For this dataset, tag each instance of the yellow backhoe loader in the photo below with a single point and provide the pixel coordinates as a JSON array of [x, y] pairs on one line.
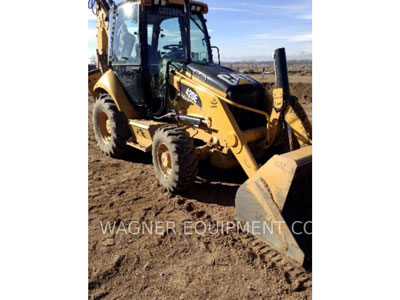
[[159, 89]]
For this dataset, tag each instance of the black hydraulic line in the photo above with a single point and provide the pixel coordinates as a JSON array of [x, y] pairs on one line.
[[104, 4], [190, 120], [196, 121], [90, 4]]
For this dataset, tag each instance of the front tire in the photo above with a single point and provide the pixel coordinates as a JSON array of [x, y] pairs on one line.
[[174, 158], [110, 127]]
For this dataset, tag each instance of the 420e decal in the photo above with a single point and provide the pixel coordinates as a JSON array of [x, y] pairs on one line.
[[190, 95]]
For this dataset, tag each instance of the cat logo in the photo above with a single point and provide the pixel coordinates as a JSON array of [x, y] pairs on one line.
[[236, 79]]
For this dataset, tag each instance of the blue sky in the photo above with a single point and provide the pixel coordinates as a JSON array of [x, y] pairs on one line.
[[252, 29]]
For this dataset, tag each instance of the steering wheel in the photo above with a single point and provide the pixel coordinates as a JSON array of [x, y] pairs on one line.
[[173, 47]]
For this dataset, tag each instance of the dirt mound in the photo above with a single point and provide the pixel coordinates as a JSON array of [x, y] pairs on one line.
[[219, 264], [303, 91]]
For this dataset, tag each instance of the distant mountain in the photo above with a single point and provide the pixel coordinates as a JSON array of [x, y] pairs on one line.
[[291, 62], [306, 56]]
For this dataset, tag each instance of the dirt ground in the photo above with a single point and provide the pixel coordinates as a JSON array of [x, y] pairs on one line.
[[223, 265], [293, 78]]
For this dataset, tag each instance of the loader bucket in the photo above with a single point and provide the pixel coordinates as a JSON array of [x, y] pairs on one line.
[[275, 204]]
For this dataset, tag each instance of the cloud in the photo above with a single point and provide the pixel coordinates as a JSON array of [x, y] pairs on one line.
[[236, 10], [91, 35], [300, 38], [305, 17], [296, 11], [227, 9], [307, 37], [264, 36], [91, 16], [279, 7]]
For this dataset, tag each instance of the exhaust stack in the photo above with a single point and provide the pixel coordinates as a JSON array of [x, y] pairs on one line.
[[281, 73]]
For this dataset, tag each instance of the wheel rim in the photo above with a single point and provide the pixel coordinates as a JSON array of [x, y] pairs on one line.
[[164, 160], [105, 127]]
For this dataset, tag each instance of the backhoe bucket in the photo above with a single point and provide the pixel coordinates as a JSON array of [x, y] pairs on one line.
[[275, 204]]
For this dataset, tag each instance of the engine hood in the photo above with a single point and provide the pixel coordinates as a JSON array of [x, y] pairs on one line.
[[220, 77]]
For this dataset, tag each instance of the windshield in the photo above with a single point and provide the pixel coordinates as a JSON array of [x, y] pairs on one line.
[[166, 36]]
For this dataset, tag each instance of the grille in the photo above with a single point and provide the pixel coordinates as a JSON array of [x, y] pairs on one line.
[[252, 96]]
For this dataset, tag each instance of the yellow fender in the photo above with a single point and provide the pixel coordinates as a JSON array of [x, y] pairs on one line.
[[110, 84]]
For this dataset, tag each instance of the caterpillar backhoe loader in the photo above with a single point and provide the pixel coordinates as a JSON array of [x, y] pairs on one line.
[[158, 89]]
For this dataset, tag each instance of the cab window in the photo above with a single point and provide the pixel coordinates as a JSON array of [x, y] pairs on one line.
[[126, 46], [198, 40]]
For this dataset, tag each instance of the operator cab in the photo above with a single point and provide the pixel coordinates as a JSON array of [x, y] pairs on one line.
[[147, 39]]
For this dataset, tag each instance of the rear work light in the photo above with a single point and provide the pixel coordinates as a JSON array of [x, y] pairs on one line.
[[159, 2], [197, 8]]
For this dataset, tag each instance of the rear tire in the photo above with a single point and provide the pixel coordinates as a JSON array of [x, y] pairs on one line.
[[174, 158], [110, 127]]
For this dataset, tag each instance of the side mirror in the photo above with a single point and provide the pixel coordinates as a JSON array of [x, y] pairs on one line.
[[219, 56]]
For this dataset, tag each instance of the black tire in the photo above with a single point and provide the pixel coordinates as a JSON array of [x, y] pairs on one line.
[[110, 127], [183, 168]]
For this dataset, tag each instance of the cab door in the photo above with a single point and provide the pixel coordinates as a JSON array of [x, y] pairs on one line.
[[125, 51]]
